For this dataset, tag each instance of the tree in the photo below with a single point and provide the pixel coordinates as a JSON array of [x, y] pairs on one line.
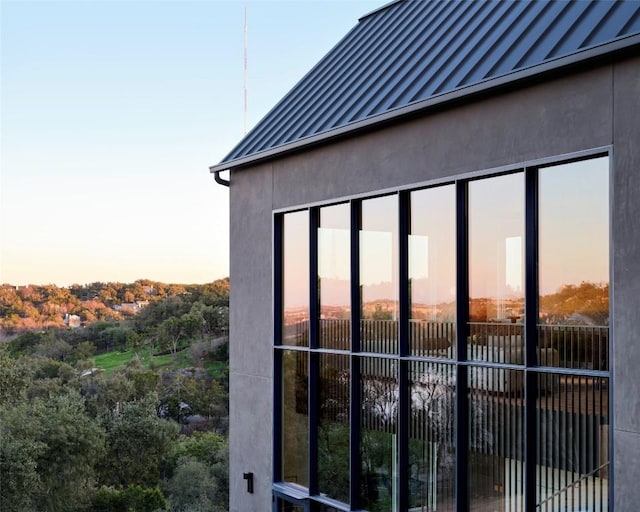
[[48, 452], [193, 488], [133, 498], [136, 442]]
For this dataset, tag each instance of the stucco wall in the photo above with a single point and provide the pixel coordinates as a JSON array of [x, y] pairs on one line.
[[561, 116], [626, 285]]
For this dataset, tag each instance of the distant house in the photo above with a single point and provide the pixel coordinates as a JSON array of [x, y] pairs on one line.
[[131, 307], [401, 222], [72, 321]]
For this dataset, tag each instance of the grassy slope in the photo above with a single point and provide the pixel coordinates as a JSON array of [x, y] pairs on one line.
[[111, 361]]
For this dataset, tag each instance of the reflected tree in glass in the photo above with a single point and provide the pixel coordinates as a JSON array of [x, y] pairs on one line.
[[431, 436], [379, 396], [574, 265], [295, 417], [333, 426]]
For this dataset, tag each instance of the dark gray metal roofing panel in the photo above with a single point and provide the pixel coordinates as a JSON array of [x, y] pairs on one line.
[[413, 51]]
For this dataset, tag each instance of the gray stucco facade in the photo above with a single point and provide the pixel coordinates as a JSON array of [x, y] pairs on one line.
[[569, 113]]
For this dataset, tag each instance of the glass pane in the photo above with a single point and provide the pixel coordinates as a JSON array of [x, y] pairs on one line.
[[296, 279], [573, 443], [496, 269], [334, 268], [295, 417], [496, 433], [285, 506], [333, 426], [379, 275], [432, 444], [328, 508], [378, 436], [574, 265], [432, 272]]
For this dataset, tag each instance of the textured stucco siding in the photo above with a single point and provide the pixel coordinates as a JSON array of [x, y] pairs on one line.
[[590, 109]]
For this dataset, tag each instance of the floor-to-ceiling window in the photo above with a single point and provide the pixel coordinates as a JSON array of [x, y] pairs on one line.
[[447, 348]]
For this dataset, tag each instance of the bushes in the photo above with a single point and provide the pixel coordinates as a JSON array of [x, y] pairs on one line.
[[133, 498]]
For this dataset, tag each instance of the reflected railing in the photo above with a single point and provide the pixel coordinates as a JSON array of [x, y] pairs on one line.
[[578, 346], [564, 346]]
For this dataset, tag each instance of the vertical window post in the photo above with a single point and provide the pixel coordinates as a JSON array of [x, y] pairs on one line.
[[462, 315], [403, 346], [354, 413], [531, 336], [314, 315], [277, 333]]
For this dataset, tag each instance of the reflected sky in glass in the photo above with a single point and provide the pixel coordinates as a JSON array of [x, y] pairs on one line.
[[379, 254], [496, 247], [432, 247], [574, 224]]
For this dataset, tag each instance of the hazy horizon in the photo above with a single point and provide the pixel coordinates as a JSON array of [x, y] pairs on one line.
[[112, 113]]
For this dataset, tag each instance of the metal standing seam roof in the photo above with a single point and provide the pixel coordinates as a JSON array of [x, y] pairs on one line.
[[411, 54]]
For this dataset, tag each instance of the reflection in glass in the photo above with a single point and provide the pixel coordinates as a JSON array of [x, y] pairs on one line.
[[574, 265], [333, 426], [496, 269], [328, 508], [334, 269], [572, 470], [431, 436], [285, 506], [379, 396], [379, 274], [496, 434], [432, 272], [295, 270], [295, 417]]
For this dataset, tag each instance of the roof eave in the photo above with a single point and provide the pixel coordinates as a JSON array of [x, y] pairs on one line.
[[588, 54]]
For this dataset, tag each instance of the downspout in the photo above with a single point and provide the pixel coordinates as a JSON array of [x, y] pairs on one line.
[[219, 180]]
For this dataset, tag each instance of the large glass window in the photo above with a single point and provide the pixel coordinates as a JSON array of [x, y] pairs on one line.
[[450, 351], [496, 269], [432, 272], [431, 449], [295, 256], [333, 411], [379, 275], [334, 276], [379, 396], [295, 419], [574, 265]]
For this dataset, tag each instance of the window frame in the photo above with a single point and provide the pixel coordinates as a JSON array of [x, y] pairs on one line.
[[530, 368]]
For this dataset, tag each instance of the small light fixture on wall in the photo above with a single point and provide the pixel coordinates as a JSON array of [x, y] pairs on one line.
[[249, 478]]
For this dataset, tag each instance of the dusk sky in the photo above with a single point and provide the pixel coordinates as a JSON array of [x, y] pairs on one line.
[[111, 114]]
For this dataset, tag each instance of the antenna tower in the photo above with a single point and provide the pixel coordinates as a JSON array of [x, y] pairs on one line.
[[245, 69]]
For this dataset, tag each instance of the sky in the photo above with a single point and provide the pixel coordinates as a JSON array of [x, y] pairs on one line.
[[111, 113]]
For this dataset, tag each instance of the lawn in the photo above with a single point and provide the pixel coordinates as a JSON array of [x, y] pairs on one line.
[[111, 361]]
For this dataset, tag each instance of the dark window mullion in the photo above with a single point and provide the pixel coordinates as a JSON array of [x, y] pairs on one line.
[[462, 317], [278, 278], [356, 222], [531, 337], [354, 402], [313, 402], [277, 333], [403, 255], [314, 316], [277, 416], [314, 291], [403, 336]]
